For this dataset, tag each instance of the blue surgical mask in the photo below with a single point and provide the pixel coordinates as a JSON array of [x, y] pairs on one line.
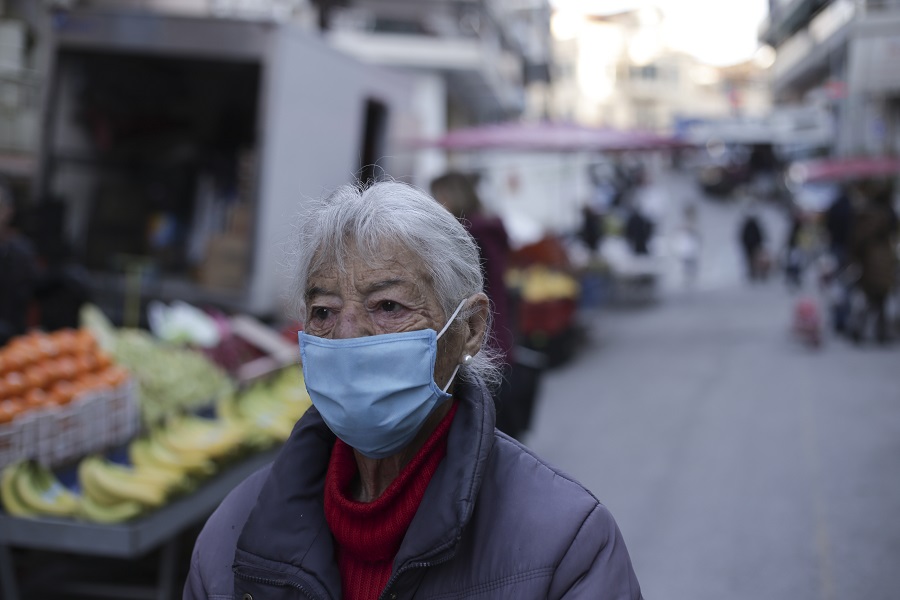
[[375, 392]]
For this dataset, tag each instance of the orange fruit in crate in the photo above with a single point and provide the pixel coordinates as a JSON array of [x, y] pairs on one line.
[[66, 368], [85, 363], [62, 393], [113, 376], [35, 376], [82, 386], [36, 398], [89, 381], [28, 352], [102, 359], [65, 340], [46, 347], [15, 359], [15, 383], [10, 409], [84, 341]]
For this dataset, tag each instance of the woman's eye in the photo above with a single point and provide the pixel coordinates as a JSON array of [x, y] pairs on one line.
[[390, 306], [319, 313]]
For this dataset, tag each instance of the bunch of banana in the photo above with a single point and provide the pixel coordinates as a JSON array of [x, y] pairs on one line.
[[12, 503], [145, 452], [253, 439], [121, 511], [290, 389], [270, 409], [109, 485], [197, 439], [31, 489]]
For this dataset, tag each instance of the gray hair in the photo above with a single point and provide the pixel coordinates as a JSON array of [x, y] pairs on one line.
[[360, 217]]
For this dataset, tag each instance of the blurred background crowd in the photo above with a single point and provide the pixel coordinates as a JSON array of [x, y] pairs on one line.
[[677, 202]]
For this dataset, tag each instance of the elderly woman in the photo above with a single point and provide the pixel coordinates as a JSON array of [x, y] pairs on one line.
[[396, 483]]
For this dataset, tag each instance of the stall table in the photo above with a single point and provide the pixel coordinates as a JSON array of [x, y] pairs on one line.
[[130, 540]]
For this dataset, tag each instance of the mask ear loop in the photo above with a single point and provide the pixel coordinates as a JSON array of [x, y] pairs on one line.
[[447, 326], [452, 318], [450, 381]]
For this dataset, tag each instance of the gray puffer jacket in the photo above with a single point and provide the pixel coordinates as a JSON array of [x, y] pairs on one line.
[[495, 522]]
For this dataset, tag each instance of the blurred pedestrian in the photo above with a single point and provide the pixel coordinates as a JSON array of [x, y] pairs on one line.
[[872, 246], [839, 224], [18, 271], [591, 230], [638, 230], [794, 252], [456, 192], [752, 239], [688, 244]]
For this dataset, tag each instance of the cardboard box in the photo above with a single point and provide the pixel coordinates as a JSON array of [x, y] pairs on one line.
[[226, 263]]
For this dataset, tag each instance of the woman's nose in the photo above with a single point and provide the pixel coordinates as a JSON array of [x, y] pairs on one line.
[[352, 322]]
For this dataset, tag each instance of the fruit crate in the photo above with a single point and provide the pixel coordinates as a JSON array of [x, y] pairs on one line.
[[57, 435]]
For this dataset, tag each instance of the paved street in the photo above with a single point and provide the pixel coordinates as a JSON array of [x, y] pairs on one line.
[[739, 463]]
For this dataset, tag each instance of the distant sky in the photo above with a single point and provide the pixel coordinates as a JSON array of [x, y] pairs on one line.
[[719, 32]]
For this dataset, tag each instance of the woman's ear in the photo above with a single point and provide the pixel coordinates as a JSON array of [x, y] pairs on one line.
[[478, 309]]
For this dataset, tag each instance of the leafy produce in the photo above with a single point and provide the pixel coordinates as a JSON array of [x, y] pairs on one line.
[[170, 379]]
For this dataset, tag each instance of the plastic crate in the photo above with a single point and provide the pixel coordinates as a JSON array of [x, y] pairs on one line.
[[11, 445], [57, 435]]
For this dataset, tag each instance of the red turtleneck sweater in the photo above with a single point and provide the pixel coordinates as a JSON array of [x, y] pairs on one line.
[[368, 535]]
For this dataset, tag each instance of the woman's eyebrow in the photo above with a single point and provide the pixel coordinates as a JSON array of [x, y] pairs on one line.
[[317, 291], [387, 284], [384, 284]]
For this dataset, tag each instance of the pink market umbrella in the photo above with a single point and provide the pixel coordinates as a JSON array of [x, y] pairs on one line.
[[845, 169], [549, 137]]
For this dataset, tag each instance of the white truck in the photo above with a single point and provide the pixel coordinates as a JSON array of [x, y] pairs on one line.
[[176, 151]]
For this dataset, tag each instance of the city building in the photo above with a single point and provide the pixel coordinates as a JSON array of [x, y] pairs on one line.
[[616, 70], [841, 54], [471, 61]]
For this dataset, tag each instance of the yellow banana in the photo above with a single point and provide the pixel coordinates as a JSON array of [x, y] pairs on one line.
[[41, 491], [142, 459], [198, 466], [116, 513], [12, 503], [191, 437], [104, 479]]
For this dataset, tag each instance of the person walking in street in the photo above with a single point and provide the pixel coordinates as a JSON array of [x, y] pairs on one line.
[[638, 230], [752, 239], [395, 483], [456, 192], [872, 246], [688, 244], [794, 252], [839, 225]]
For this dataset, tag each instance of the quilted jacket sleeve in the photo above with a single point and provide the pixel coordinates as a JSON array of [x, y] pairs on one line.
[[210, 576], [597, 564], [193, 587]]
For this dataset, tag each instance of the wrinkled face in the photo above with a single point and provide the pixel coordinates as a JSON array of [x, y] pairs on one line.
[[390, 292]]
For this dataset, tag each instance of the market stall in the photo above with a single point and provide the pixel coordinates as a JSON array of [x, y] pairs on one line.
[[113, 441]]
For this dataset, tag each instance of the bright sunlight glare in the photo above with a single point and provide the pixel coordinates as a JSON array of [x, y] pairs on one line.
[[717, 32]]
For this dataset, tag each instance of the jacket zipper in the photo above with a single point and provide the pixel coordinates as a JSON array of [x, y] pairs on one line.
[[409, 567], [278, 582]]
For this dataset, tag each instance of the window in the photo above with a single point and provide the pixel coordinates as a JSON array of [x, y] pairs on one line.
[[645, 72]]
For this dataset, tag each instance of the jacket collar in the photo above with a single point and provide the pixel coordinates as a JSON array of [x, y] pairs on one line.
[[287, 528]]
